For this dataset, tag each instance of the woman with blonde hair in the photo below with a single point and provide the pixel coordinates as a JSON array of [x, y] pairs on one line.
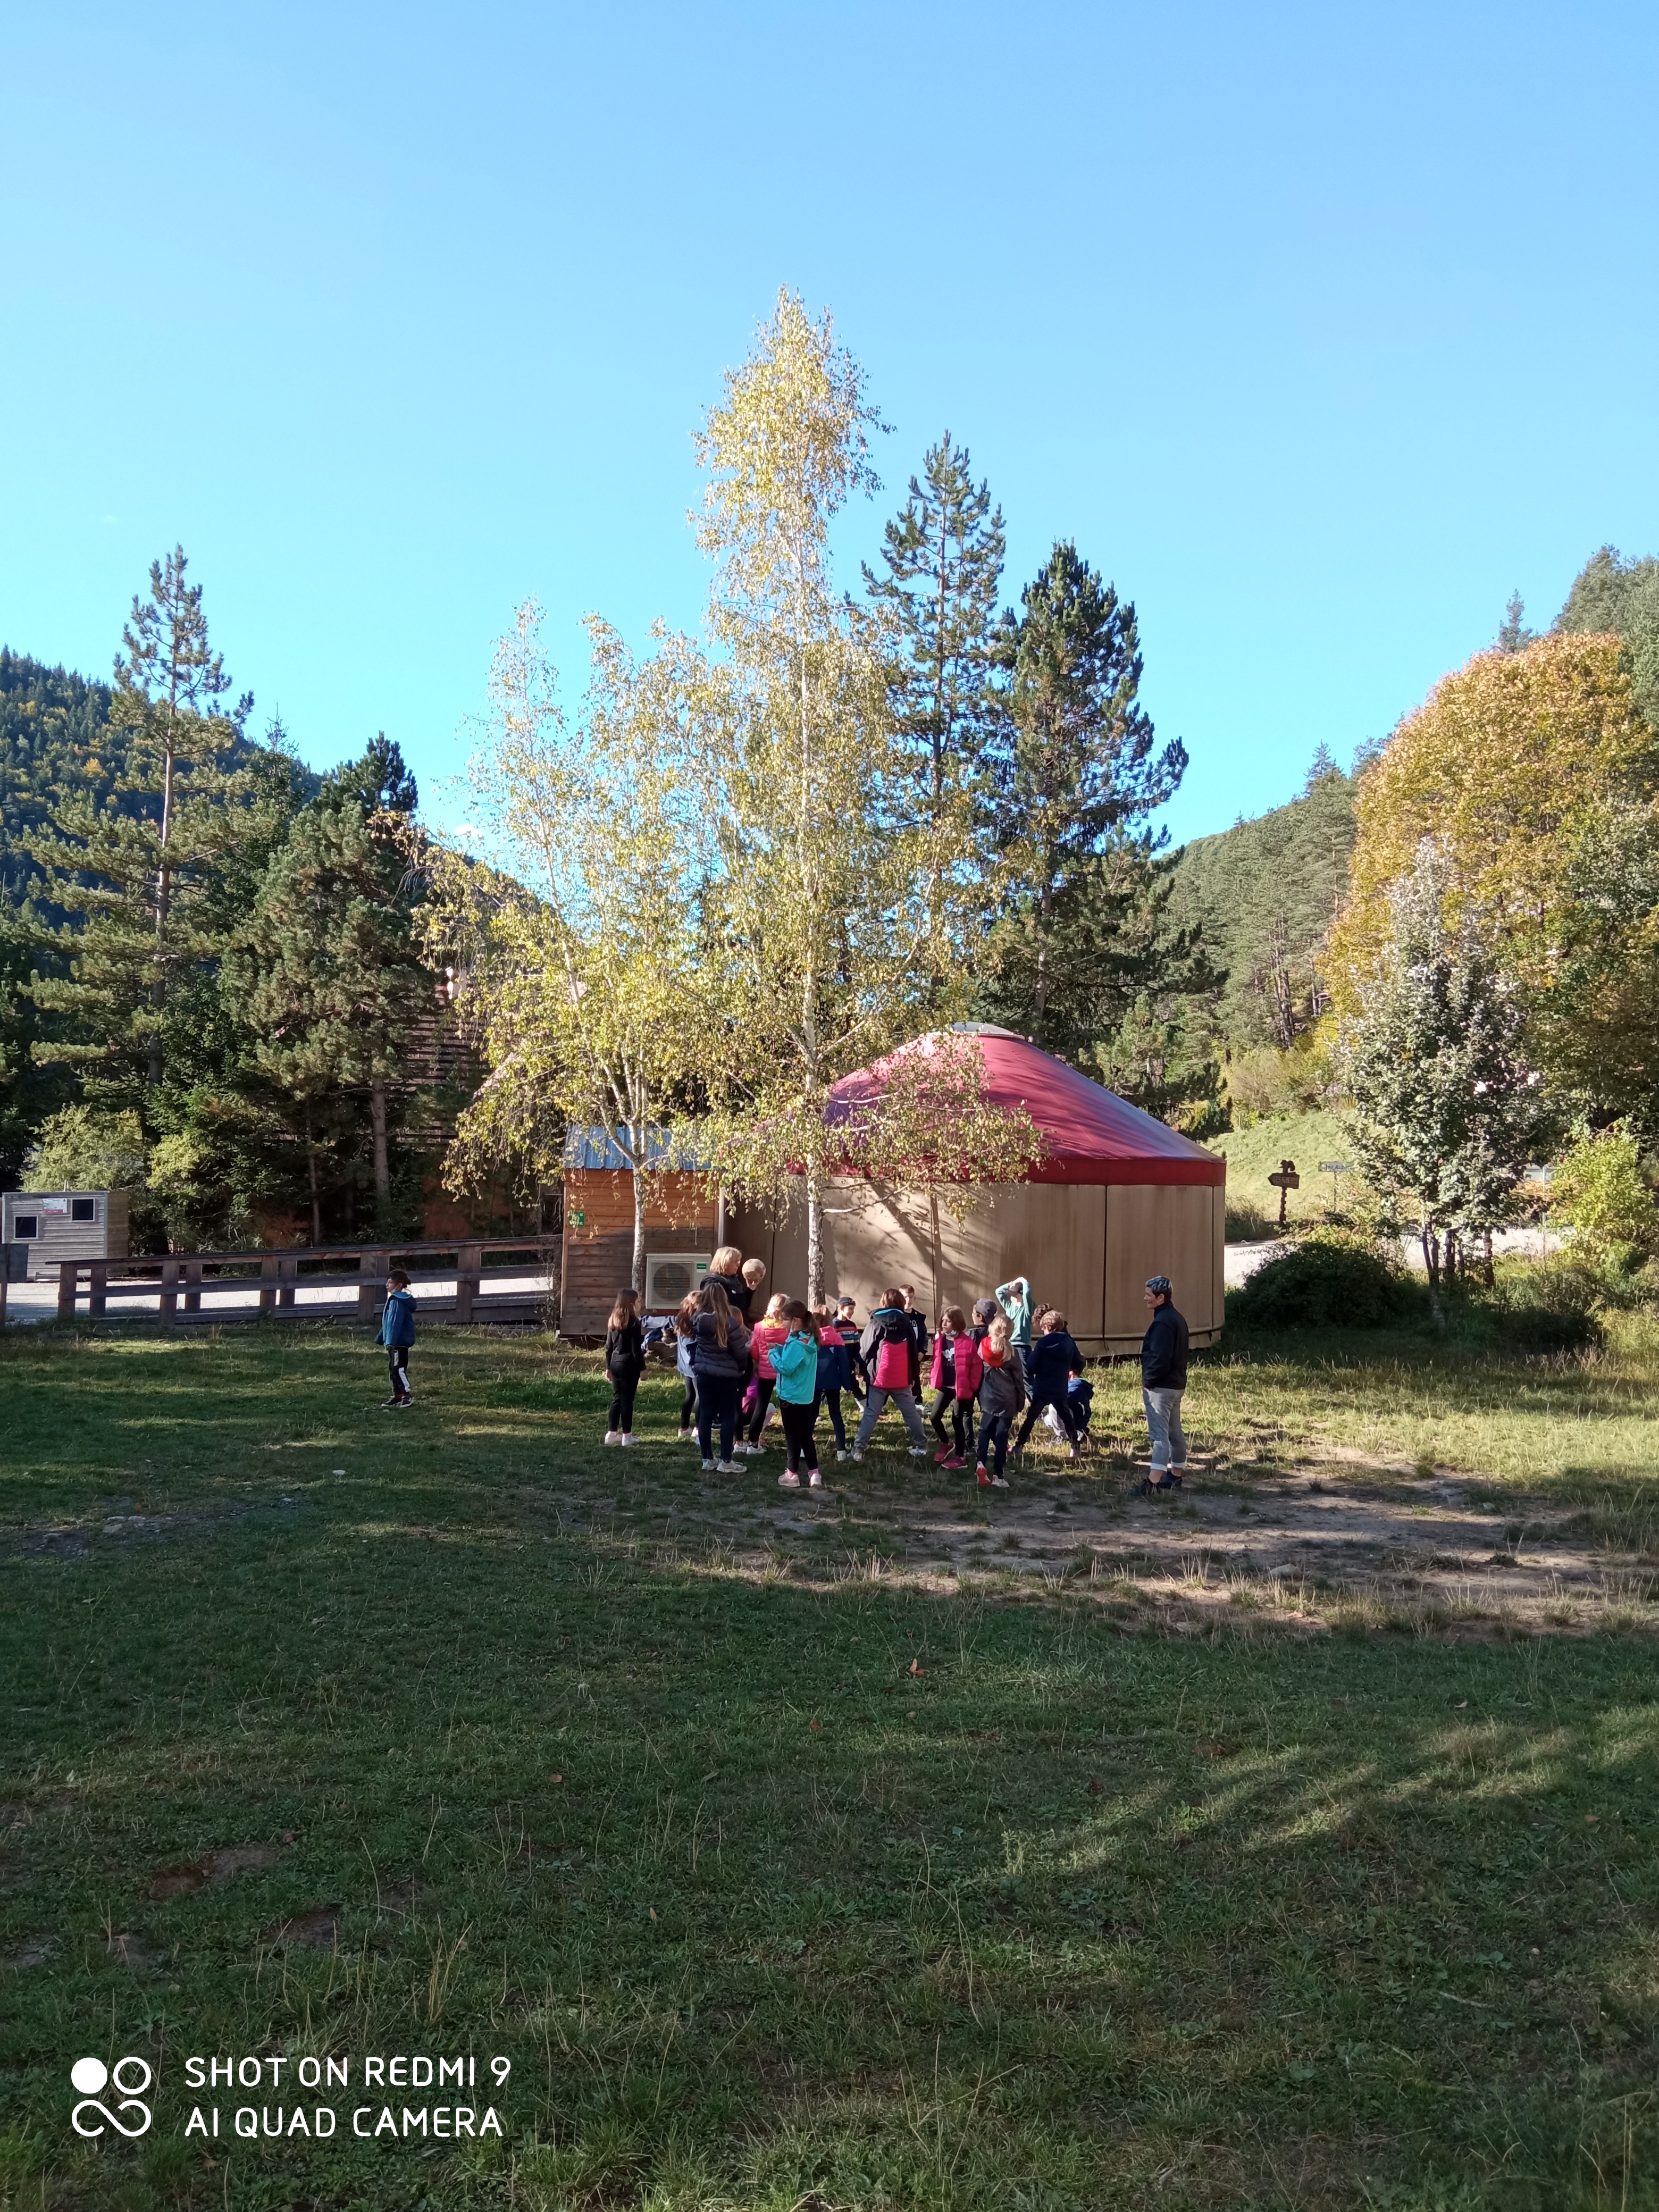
[[725, 1268]]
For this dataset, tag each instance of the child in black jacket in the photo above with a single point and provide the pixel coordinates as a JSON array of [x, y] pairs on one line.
[[624, 1362]]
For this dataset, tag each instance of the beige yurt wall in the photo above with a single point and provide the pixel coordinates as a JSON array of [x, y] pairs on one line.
[[1087, 1247], [1177, 1230]]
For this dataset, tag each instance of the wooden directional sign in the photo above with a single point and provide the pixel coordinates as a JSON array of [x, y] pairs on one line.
[[1287, 1179]]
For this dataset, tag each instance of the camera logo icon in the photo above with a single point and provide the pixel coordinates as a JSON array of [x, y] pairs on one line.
[[131, 2076]]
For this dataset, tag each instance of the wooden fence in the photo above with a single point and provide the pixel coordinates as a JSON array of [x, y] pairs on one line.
[[214, 1285]]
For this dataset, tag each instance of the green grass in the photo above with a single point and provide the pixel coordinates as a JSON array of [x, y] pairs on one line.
[[779, 1885]]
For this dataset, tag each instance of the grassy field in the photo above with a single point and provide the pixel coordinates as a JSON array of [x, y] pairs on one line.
[[778, 1880]]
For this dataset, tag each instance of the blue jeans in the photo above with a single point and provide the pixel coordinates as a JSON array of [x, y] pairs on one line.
[[908, 1410], [1163, 1421]]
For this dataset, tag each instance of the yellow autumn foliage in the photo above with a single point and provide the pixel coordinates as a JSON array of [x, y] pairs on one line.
[[1510, 761]]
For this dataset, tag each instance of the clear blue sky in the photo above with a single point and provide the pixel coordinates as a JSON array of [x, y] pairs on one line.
[[1321, 329]]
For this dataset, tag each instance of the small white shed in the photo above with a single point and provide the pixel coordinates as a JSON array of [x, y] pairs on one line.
[[64, 1224]]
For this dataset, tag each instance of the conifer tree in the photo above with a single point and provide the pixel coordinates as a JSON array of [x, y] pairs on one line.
[[1076, 778], [944, 557], [137, 866], [323, 973]]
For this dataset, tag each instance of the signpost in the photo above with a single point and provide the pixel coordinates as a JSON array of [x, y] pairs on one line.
[[1334, 1169], [1287, 1179]]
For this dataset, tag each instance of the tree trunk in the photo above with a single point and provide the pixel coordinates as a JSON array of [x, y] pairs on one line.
[[382, 1166], [814, 1241], [310, 1168], [1431, 1243], [637, 1277]]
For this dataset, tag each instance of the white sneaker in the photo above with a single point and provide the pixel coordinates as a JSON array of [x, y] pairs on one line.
[[841, 1455], [626, 1437], [918, 1451], [728, 1466], [857, 1459], [815, 1481], [612, 1437], [684, 1436], [756, 1450], [788, 1481]]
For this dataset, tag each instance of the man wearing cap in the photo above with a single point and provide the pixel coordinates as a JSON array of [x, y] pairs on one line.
[[1162, 1379]]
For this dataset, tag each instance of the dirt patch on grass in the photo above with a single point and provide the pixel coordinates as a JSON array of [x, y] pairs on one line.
[[1334, 1540]]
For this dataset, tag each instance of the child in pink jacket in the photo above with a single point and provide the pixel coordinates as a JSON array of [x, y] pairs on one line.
[[764, 1334]]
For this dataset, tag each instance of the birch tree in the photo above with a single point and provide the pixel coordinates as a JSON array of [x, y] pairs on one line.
[[577, 933], [830, 944]]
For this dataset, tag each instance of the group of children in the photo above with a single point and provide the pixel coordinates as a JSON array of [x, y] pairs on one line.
[[983, 1373]]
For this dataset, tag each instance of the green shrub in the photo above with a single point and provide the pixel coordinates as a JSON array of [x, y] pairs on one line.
[[1551, 1305], [1329, 1278]]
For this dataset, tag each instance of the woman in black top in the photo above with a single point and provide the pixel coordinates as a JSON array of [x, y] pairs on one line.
[[624, 1362], [725, 1268]]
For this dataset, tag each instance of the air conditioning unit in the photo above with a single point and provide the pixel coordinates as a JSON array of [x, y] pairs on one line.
[[669, 1276]]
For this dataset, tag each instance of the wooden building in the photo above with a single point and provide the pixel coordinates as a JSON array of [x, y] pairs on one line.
[[597, 1258], [64, 1224]]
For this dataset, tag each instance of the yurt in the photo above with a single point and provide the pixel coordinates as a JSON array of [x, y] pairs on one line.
[[1117, 1197]]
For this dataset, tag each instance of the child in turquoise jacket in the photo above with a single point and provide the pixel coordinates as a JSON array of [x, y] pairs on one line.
[[795, 1364]]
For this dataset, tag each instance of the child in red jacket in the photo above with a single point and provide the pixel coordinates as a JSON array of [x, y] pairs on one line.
[[953, 1338]]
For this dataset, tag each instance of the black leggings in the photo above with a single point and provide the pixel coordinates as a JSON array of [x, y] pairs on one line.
[[764, 1386], [688, 1404], [1061, 1405], [624, 1382], [959, 1427], [799, 1440], [994, 1430], [397, 1361], [717, 1403], [832, 1400]]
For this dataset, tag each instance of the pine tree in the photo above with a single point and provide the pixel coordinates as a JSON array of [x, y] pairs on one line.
[[944, 557], [1076, 777], [137, 866], [323, 973], [1513, 635]]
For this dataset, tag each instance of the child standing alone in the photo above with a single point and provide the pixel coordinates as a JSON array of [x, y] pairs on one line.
[[398, 1335], [624, 1362]]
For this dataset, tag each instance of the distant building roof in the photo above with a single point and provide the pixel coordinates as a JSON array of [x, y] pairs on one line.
[[593, 1146]]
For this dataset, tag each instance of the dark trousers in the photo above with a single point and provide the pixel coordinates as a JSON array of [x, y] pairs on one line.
[[764, 1386], [959, 1428], [624, 1382], [1062, 1405], [832, 1400], [397, 1361], [717, 1407], [994, 1431], [799, 1440], [688, 1404]]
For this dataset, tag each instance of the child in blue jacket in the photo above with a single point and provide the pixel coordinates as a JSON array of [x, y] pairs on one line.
[[834, 1372], [795, 1365], [397, 1334]]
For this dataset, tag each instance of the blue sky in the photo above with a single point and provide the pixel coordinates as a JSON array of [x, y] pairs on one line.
[[1320, 328]]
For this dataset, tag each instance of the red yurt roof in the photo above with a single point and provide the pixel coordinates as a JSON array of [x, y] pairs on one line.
[[1093, 1136]]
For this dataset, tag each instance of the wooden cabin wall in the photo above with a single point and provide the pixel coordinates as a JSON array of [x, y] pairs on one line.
[[599, 1249]]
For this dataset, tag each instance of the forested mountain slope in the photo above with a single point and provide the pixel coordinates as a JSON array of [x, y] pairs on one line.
[[1265, 892]]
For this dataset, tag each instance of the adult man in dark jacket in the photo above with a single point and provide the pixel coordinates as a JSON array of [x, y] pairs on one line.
[[1162, 1379]]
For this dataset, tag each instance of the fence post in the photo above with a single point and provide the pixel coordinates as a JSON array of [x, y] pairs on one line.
[[372, 1267], [469, 1264], [97, 1277], [288, 1273], [267, 1284], [69, 1282], [167, 1306], [192, 1275]]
